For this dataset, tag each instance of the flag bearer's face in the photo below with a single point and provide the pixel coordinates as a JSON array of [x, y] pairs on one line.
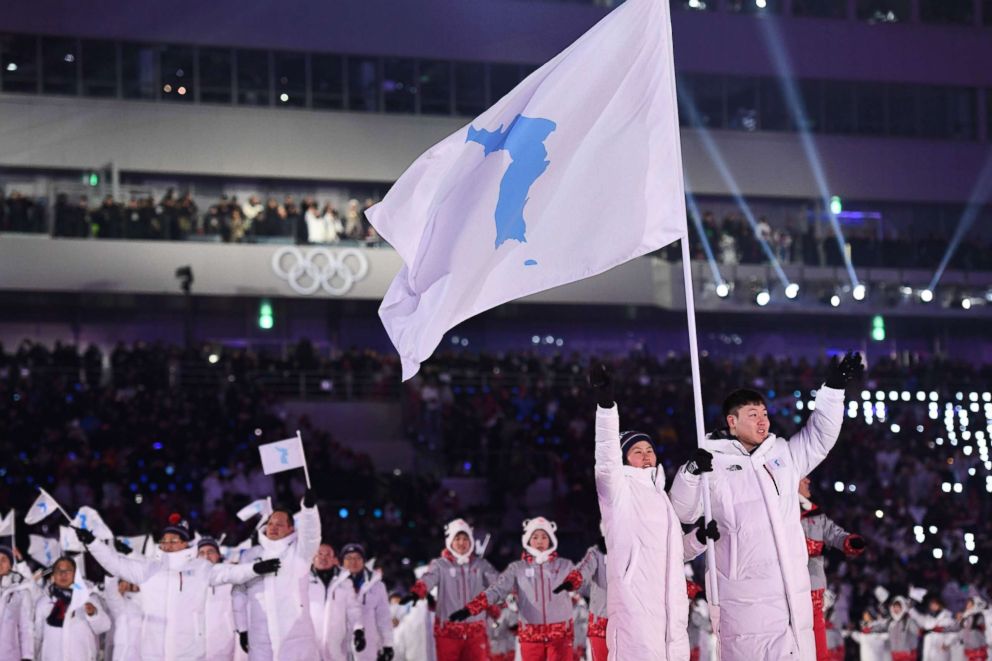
[[641, 455], [461, 543], [279, 526], [750, 424], [171, 542], [63, 574], [540, 541], [4, 565]]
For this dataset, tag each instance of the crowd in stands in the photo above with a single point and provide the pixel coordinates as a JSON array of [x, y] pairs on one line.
[[177, 217], [127, 433]]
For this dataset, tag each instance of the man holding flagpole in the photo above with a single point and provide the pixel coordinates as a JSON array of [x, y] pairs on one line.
[[765, 607]]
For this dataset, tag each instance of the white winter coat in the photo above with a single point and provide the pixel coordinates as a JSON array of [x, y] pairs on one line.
[[328, 612], [938, 645], [647, 604], [414, 635], [16, 624], [275, 609], [173, 598], [222, 639], [761, 557], [125, 611], [371, 605], [78, 637]]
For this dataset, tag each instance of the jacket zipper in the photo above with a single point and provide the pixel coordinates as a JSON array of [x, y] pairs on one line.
[[765, 466], [544, 601]]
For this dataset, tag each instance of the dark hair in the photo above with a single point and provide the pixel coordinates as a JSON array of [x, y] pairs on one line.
[[284, 510], [64, 558], [739, 398]]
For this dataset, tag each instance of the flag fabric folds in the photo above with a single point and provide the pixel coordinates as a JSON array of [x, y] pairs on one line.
[[575, 171], [88, 518], [283, 455], [43, 506], [45, 551], [7, 524], [261, 507]]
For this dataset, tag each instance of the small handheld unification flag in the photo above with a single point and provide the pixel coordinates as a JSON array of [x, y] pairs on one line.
[[45, 551], [284, 455], [43, 506], [576, 170], [7, 525], [136, 543], [261, 507], [80, 594], [68, 540], [88, 518]]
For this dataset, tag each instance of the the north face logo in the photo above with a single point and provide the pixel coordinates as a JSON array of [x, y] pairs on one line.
[[733, 467]]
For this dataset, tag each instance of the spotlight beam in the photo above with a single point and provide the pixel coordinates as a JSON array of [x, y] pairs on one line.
[[979, 195], [780, 59], [697, 221], [689, 106]]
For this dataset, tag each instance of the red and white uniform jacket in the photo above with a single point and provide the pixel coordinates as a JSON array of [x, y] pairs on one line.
[[821, 532], [544, 616], [591, 572], [457, 584]]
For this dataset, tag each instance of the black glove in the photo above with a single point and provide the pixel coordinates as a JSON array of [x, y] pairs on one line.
[[701, 462], [309, 498], [243, 641], [709, 531], [409, 599], [847, 370], [84, 535], [857, 542], [267, 566], [385, 654], [460, 615], [359, 638], [431, 601], [120, 546], [601, 382], [565, 586]]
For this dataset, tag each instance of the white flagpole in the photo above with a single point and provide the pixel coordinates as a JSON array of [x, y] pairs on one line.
[[690, 308], [306, 471], [13, 531]]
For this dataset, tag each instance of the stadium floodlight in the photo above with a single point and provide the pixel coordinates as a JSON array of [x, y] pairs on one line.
[[762, 298], [966, 303], [723, 290], [926, 295], [859, 292], [835, 301], [791, 290]]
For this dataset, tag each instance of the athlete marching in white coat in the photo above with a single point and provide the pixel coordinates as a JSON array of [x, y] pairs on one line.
[[16, 607], [647, 604], [272, 614], [172, 590], [67, 631], [764, 586]]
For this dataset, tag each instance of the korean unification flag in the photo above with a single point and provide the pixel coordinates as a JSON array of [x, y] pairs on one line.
[[80, 594], [45, 551], [43, 506], [575, 171], [283, 455], [88, 518], [261, 507], [7, 524], [68, 540]]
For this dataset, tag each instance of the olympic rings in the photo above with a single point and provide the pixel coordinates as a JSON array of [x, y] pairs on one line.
[[336, 272]]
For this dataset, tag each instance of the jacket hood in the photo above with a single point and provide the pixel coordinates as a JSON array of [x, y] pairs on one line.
[[450, 532], [904, 602], [721, 442], [533, 525], [276, 547]]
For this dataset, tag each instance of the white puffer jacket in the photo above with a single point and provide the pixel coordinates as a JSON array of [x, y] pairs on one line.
[[16, 625], [78, 639], [275, 609], [647, 603], [173, 597], [761, 557]]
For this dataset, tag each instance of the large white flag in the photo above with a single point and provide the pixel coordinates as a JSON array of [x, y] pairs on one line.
[[80, 594], [7, 524], [44, 505], [283, 455], [45, 551], [88, 518], [575, 171], [68, 540]]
